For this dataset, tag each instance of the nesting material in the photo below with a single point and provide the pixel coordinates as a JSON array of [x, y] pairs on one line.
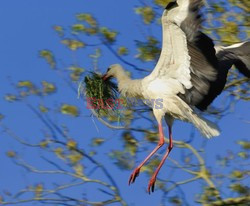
[[101, 96]]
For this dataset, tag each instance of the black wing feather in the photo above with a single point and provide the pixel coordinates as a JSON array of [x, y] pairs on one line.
[[207, 79]]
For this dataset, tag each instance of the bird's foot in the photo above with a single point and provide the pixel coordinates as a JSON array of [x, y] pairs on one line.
[[133, 176], [151, 185]]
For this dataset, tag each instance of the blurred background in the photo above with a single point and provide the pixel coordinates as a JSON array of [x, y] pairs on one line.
[[54, 151]]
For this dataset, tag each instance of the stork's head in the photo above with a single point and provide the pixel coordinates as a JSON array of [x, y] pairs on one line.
[[112, 71]]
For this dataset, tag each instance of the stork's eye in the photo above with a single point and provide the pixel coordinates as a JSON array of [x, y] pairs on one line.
[[108, 70], [171, 5]]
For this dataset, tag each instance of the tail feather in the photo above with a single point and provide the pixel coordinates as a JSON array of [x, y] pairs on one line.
[[206, 127], [184, 112]]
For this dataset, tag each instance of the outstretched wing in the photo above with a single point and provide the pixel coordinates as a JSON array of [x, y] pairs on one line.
[[189, 62], [187, 56], [204, 70], [236, 54]]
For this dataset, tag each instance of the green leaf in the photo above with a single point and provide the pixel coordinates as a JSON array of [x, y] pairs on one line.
[[130, 143], [243, 155], [59, 153], [237, 174], [87, 18], [151, 136], [78, 169], [76, 69], [49, 57], [26, 84], [38, 190], [11, 98], [44, 143], [147, 13], [150, 167], [74, 157], [91, 27], [71, 144], [244, 144], [70, 110], [218, 8], [97, 141], [148, 51], [123, 160], [11, 154], [108, 34], [48, 88], [76, 28], [73, 44], [122, 51], [241, 189], [175, 201], [1, 116], [43, 109], [59, 30], [76, 72], [162, 3]]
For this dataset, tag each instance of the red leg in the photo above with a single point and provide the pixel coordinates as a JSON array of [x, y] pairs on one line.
[[136, 172], [151, 184]]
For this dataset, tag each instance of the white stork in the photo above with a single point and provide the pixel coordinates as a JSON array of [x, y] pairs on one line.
[[190, 74]]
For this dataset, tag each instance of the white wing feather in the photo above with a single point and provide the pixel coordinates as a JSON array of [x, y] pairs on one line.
[[174, 61]]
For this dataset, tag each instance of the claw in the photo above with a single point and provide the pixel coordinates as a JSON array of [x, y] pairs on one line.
[[133, 176], [151, 185]]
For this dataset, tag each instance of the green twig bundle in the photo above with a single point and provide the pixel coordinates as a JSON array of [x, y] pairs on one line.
[[102, 96]]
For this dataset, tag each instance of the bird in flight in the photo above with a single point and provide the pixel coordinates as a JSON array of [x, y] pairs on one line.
[[190, 73]]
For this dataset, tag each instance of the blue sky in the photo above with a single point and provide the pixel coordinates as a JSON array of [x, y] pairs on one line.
[[26, 29]]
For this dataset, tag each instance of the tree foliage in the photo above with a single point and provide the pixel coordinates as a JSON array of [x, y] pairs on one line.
[[222, 184]]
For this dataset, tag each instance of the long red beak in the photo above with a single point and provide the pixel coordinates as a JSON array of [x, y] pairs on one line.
[[105, 77]]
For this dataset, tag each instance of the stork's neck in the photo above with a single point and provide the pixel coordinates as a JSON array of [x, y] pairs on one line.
[[127, 86]]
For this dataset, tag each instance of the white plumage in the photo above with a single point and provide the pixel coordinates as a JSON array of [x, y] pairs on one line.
[[188, 74]]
